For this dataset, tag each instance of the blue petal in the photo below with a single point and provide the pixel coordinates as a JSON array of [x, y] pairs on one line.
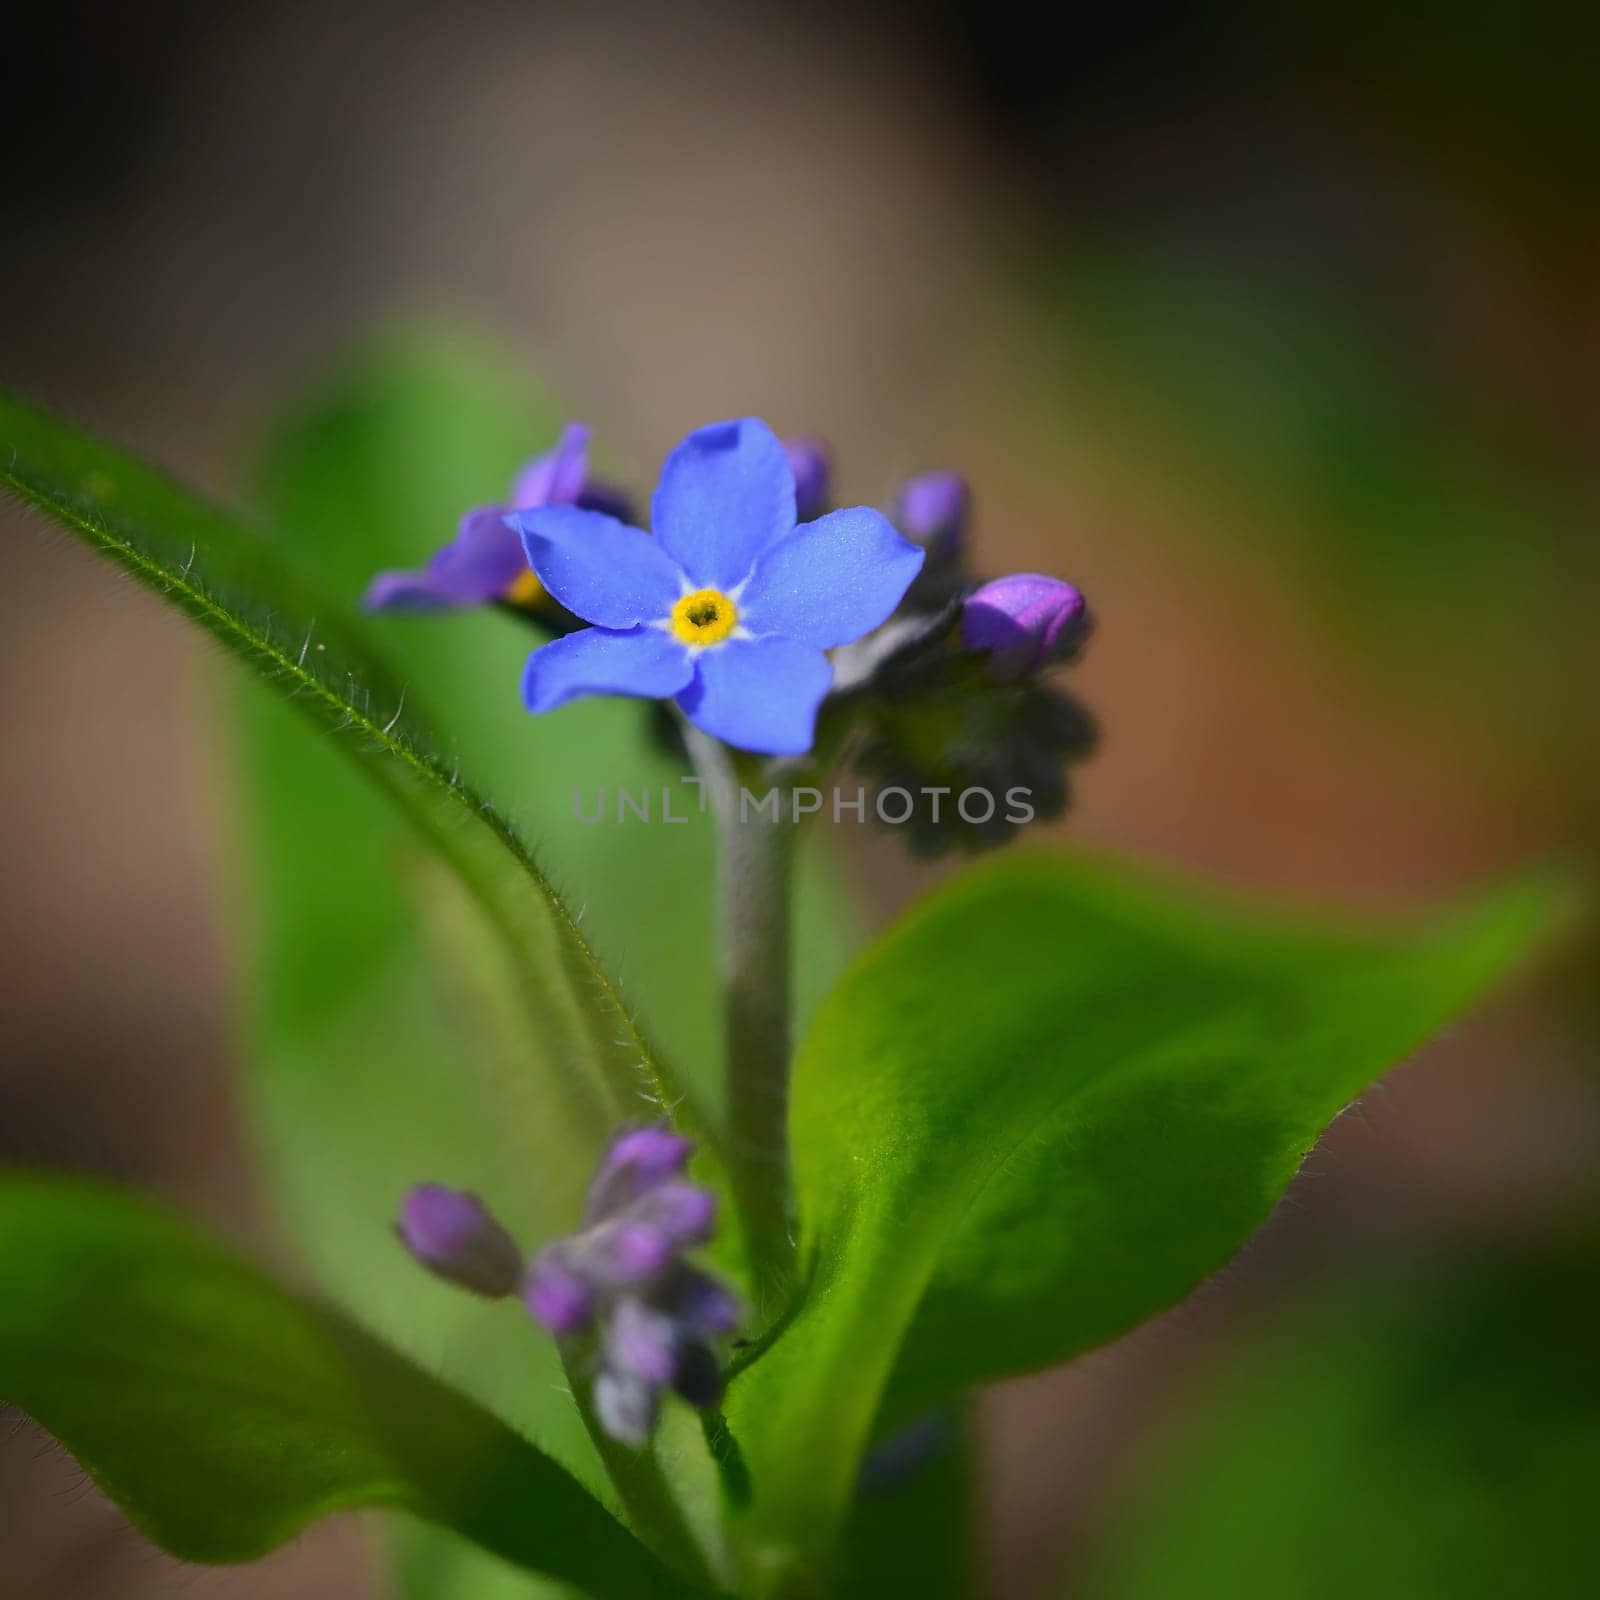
[[641, 661], [726, 493], [405, 591], [831, 580], [598, 568], [758, 694], [483, 560], [557, 477]]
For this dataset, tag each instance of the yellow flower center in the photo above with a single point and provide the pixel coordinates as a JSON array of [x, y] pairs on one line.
[[707, 616], [527, 591]]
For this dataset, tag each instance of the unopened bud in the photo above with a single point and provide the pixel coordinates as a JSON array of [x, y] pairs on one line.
[[453, 1235], [557, 1294], [931, 510], [1024, 623], [808, 460]]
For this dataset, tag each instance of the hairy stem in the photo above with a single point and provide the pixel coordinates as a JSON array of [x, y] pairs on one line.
[[651, 1507], [754, 872], [754, 879]]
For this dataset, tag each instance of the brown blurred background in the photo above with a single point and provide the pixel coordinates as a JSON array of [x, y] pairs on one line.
[[1280, 337]]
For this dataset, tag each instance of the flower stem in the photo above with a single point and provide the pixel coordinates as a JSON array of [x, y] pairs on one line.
[[650, 1505], [754, 873]]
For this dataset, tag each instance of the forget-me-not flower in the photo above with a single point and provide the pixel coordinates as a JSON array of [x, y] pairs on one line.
[[485, 561], [729, 607]]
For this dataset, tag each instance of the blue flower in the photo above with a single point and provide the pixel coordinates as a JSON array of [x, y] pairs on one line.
[[729, 607], [485, 563]]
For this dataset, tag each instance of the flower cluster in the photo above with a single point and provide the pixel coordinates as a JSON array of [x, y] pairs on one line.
[[760, 614], [953, 692], [619, 1288]]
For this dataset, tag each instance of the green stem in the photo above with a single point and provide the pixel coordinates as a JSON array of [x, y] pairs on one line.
[[754, 872], [754, 886], [652, 1508]]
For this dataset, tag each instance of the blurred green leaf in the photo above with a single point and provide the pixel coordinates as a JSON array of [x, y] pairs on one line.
[[1040, 1109], [1268, 388], [223, 1414], [1435, 1438], [1424, 524]]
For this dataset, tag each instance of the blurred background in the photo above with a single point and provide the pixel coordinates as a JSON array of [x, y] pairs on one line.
[[1278, 334]]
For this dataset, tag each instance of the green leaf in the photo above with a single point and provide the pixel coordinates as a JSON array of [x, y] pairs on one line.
[[1426, 1438], [1039, 1110], [910, 1529], [233, 584], [223, 1414]]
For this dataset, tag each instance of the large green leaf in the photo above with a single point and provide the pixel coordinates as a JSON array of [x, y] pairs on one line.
[[1039, 1110], [1435, 1437], [910, 1529], [223, 1414]]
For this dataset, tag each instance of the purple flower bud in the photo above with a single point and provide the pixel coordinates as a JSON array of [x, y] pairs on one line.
[[637, 1160], [452, 1234], [931, 510], [684, 1212], [624, 1255], [642, 1341], [623, 1276], [627, 1405], [808, 460], [557, 1294], [1024, 623], [649, 1154]]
